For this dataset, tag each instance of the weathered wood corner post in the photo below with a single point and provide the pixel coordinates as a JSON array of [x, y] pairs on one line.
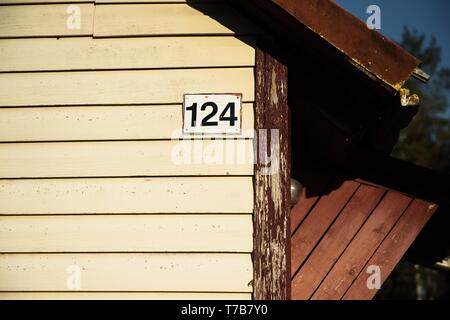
[[271, 255]]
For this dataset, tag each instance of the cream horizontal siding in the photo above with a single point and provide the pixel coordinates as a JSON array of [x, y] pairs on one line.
[[203, 272], [46, 1], [153, 1], [103, 123], [85, 53], [127, 195], [124, 296], [87, 176], [126, 158], [101, 1], [121, 87], [121, 233], [44, 20], [168, 19]]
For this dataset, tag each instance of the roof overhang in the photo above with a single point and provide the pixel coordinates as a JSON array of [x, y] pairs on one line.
[[368, 50]]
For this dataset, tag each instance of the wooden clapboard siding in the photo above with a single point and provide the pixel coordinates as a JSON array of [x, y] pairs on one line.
[[168, 19], [85, 53], [124, 296], [43, 20], [103, 123], [130, 195], [121, 87], [129, 158], [203, 272], [102, 1], [138, 225], [317, 222], [42, 1], [122, 233], [393, 247], [335, 241], [369, 237], [153, 1]]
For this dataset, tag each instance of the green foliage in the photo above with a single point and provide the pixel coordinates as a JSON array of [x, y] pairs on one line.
[[413, 282], [426, 141]]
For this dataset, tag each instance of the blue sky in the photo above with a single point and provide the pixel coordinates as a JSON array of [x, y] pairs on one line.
[[431, 17]]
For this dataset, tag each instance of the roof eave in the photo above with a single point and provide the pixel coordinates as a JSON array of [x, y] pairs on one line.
[[371, 52]]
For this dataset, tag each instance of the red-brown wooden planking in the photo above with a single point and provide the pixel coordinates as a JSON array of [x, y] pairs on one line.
[[362, 246], [317, 222], [393, 247], [301, 209], [327, 252]]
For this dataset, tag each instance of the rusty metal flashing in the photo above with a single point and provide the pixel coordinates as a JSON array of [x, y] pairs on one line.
[[370, 51]]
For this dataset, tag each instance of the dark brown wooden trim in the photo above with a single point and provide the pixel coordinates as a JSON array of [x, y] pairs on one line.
[[271, 254]]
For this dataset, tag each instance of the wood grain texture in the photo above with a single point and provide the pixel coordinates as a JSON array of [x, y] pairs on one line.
[[103, 123], [394, 246], [272, 181], [126, 158], [221, 272], [121, 87], [150, 1], [127, 233], [44, 20], [300, 209], [127, 195], [124, 296], [51, 54], [168, 19], [335, 241], [317, 222], [367, 240]]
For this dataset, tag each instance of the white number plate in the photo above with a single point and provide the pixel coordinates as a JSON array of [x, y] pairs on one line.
[[212, 113]]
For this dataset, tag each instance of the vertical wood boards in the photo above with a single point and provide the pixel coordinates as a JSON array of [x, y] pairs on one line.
[[272, 191]]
